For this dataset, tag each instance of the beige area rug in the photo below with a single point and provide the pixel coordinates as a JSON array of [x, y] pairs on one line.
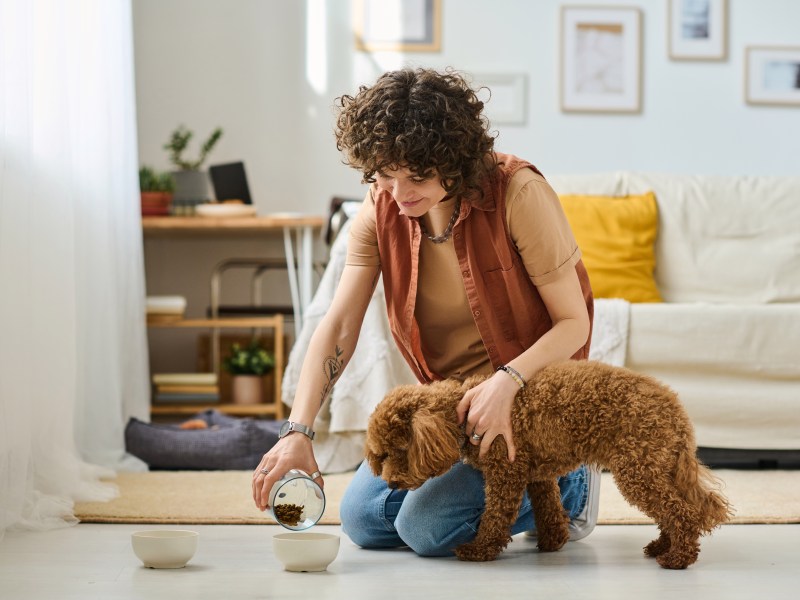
[[223, 497]]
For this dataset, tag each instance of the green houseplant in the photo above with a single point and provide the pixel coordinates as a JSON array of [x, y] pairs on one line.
[[178, 142], [249, 360], [248, 365], [191, 181], [156, 190]]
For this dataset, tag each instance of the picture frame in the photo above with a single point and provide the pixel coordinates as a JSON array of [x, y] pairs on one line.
[[601, 59], [772, 75], [698, 29], [506, 97], [397, 25]]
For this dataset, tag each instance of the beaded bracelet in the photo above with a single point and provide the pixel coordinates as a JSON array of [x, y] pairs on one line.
[[514, 375]]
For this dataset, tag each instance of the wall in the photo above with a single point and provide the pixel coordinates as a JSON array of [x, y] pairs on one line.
[[243, 65]]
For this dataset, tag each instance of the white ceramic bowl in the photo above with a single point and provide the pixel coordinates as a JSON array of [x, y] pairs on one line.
[[164, 548], [305, 551]]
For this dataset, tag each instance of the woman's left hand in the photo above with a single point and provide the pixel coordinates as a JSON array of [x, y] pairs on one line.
[[487, 409]]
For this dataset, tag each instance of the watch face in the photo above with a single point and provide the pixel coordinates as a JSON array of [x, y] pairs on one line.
[[285, 428]]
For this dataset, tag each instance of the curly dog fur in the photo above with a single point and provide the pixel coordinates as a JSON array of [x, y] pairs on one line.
[[571, 413]]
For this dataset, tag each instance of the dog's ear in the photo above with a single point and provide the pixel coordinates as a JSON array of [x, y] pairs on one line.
[[374, 455], [433, 447]]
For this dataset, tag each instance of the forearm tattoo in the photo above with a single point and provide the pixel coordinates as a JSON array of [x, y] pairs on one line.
[[331, 366]]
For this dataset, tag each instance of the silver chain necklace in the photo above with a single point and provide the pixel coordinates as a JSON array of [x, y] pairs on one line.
[[440, 239]]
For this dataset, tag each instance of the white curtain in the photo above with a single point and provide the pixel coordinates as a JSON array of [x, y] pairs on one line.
[[73, 354]]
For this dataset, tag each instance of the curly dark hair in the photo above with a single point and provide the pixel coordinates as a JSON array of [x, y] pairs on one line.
[[427, 121]]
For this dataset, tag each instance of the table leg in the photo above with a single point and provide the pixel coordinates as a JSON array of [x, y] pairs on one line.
[[293, 280], [305, 258], [300, 273]]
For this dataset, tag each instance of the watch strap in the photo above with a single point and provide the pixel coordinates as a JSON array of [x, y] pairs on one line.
[[300, 428]]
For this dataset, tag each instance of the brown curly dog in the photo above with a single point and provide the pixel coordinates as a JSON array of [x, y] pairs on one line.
[[571, 413]]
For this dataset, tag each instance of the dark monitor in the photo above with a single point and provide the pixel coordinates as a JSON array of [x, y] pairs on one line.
[[230, 182]]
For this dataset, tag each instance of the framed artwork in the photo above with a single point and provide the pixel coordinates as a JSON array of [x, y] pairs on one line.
[[698, 29], [772, 75], [504, 98], [601, 59], [399, 25]]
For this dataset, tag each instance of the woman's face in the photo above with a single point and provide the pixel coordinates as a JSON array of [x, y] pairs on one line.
[[415, 196]]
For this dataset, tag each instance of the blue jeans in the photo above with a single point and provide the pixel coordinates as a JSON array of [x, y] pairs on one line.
[[437, 517]]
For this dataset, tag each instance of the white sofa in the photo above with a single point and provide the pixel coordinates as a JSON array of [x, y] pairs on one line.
[[727, 336]]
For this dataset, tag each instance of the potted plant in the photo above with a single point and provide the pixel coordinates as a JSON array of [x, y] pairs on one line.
[[248, 365], [156, 190], [191, 182]]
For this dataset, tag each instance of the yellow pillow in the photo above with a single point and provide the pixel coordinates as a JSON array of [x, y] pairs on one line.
[[616, 237]]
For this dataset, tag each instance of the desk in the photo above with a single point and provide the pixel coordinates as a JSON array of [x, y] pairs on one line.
[[298, 243]]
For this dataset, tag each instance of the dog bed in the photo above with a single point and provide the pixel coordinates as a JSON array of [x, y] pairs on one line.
[[227, 443]]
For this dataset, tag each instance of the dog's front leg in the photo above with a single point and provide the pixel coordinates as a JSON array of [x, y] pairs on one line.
[[504, 489], [552, 522]]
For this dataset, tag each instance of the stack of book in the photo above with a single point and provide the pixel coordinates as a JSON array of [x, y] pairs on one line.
[[172, 388], [165, 309]]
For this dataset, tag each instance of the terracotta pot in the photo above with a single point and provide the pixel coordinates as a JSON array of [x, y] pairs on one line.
[[156, 203], [248, 389]]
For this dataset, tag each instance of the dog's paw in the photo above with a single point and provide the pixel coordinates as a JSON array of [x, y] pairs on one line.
[[657, 547], [476, 552], [670, 561], [678, 558], [550, 541]]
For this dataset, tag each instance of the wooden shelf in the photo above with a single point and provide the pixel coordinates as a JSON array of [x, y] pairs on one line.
[[274, 322], [238, 410], [291, 226], [226, 323]]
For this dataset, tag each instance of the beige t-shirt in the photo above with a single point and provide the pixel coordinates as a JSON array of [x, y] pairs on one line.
[[451, 343]]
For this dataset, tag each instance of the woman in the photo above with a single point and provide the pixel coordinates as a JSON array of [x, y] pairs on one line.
[[482, 276]]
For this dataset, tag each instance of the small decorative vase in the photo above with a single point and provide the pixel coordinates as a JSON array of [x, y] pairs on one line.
[[248, 389], [191, 186]]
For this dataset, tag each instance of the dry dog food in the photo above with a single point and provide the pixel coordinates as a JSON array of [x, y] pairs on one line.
[[288, 514]]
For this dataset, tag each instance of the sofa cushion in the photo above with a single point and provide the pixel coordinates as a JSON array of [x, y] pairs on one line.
[[616, 236], [725, 239], [734, 367], [600, 184]]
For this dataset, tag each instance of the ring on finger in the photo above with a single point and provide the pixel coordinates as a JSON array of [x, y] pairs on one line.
[[476, 437], [264, 471], [315, 474]]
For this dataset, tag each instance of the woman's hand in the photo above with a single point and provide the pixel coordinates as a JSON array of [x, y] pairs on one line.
[[487, 410], [292, 452]]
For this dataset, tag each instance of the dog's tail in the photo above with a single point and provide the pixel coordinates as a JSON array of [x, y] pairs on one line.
[[703, 490]]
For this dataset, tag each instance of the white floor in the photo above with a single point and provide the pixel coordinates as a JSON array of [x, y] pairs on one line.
[[96, 561]]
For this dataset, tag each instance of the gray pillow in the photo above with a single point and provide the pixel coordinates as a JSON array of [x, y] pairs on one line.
[[228, 444]]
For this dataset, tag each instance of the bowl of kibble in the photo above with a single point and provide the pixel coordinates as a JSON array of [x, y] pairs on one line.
[[305, 551], [296, 501]]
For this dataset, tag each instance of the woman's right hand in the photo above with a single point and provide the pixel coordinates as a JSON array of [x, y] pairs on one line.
[[332, 343], [291, 452]]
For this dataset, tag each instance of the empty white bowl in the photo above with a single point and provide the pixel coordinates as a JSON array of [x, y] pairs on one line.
[[305, 551], [164, 548]]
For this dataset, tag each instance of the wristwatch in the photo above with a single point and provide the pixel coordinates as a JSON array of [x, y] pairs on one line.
[[290, 426]]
